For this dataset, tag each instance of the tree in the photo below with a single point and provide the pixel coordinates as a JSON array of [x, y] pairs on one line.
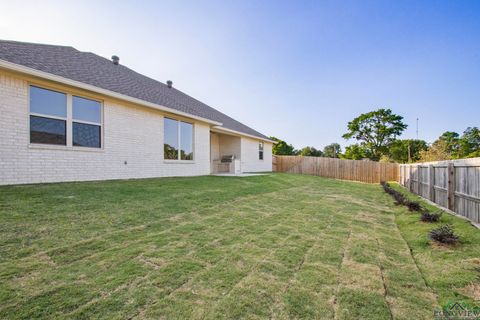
[[438, 151], [451, 144], [469, 143], [355, 152], [333, 150], [407, 150], [310, 151], [376, 130], [282, 148]]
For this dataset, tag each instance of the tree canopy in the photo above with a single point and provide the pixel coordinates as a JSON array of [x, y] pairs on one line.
[[282, 148], [311, 152], [355, 152], [333, 150], [376, 130], [405, 151], [450, 145]]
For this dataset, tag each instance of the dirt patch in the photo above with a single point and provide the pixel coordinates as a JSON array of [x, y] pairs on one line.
[[472, 291]]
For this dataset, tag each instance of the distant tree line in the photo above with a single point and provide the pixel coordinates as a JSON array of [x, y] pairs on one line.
[[376, 134], [282, 148]]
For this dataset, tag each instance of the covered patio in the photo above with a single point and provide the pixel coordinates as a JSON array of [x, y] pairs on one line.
[[225, 153]]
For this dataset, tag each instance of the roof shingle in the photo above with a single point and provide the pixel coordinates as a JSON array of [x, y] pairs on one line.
[[92, 69]]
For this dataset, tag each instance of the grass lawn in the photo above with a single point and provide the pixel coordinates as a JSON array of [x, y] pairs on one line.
[[278, 246]]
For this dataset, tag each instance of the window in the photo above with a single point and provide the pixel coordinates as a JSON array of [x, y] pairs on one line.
[[170, 145], [260, 151], [178, 140], [87, 120], [48, 116], [186, 141], [62, 119]]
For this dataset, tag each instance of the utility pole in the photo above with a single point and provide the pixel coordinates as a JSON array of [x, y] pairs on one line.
[[417, 128]]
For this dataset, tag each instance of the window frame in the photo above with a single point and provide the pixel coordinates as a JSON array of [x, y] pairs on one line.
[[73, 120], [47, 116], [261, 150], [68, 120], [179, 140]]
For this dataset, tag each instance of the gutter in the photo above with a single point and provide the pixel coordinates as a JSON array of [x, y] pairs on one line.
[[45, 75]]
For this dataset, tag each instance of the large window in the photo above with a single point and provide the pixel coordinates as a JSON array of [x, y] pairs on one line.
[[48, 116], [260, 150], [62, 119], [178, 140]]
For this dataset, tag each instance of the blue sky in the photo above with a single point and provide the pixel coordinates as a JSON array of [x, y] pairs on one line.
[[298, 70]]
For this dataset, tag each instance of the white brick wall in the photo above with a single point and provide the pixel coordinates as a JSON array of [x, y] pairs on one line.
[[229, 145], [250, 161], [132, 134]]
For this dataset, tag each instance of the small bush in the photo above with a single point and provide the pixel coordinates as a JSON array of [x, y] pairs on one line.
[[399, 198], [413, 205], [387, 188], [444, 234], [427, 216]]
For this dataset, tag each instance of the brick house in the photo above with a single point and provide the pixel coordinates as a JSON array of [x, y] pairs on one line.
[[67, 115]]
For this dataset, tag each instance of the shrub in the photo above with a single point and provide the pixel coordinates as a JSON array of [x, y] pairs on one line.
[[413, 205], [399, 198], [427, 216], [444, 234]]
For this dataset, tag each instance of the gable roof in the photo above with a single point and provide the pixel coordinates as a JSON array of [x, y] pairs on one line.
[[94, 70]]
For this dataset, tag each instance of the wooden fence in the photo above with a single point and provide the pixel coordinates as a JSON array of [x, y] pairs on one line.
[[356, 170], [454, 184]]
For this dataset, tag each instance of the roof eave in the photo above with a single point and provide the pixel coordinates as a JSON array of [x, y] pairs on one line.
[[220, 129], [45, 75]]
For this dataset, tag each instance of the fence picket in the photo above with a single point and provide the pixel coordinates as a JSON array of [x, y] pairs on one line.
[[452, 184], [356, 170]]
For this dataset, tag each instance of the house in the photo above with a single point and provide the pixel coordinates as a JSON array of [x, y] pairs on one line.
[[67, 115]]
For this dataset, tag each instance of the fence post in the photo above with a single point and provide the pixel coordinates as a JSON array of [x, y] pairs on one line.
[[409, 177], [419, 180], [431, 183], [451, 186]]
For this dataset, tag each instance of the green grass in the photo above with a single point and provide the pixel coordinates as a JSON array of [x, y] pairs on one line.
[[277, 246], [453, 272]]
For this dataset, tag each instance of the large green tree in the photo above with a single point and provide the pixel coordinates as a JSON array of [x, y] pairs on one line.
[[282, 148], [376, 130], [333, 150]]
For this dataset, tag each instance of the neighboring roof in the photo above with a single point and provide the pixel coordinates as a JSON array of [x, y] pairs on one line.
[[91, 69]]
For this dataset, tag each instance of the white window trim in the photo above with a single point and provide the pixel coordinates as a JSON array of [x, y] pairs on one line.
[[261, 148], [69, 123], [179, 140]]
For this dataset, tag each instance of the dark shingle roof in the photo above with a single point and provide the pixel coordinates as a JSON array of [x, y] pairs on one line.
[[92, 69]]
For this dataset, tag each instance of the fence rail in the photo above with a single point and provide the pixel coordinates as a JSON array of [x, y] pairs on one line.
[[356, 170], [453, 184]]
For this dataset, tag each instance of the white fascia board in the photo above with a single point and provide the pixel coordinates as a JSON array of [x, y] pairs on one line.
[[234, 132]]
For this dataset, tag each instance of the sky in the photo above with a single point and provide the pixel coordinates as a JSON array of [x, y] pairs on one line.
[[297, 70]]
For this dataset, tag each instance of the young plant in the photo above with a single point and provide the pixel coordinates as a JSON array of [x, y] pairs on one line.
[[427, 216], [399, 198], [444, 234], [413, 205]]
